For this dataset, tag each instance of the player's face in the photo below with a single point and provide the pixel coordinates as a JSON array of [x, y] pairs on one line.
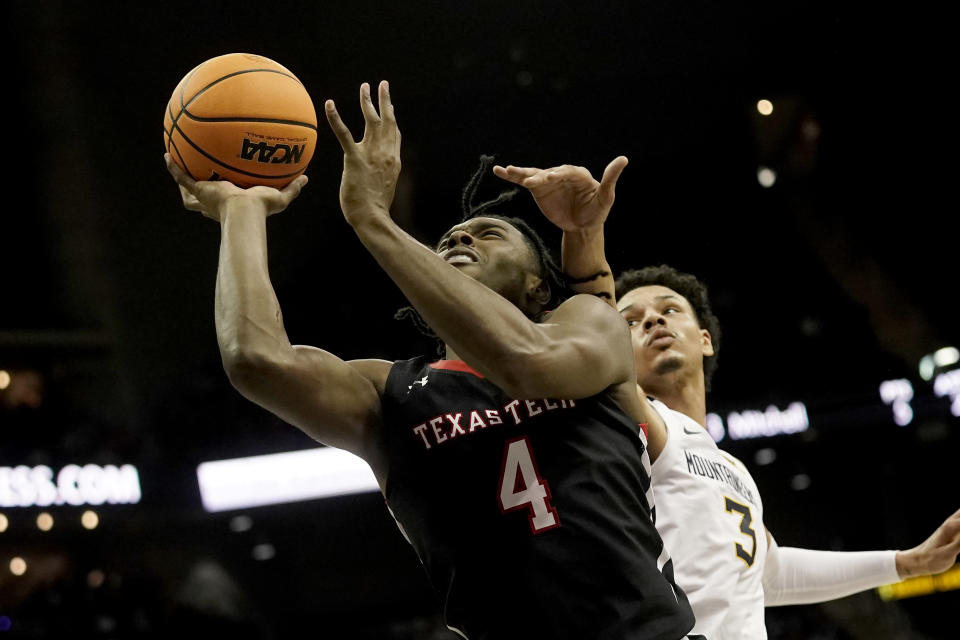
[[666, 335], [495, 253]]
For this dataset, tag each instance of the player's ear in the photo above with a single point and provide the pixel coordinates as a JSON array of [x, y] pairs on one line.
[[540, 291], [706, 343]]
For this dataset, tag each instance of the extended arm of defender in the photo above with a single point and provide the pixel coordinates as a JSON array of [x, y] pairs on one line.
[[579, 205], [332, 401], [524, 358], [805, 576]]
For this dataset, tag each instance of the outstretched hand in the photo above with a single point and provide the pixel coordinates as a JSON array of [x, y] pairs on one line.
[[209, 196], [569, 196], [935, 554], [370, 167]]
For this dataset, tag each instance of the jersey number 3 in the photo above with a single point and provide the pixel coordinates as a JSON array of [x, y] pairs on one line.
[[521, 486], [746, 519]]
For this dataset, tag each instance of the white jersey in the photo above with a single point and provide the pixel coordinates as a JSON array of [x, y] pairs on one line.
[[710, 517]]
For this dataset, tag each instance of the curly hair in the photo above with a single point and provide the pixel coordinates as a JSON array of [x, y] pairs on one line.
[[549, 271], [688, 286], [547, 267]]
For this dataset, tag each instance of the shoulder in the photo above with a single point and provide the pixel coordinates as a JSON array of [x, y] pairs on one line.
[[587, 309], [587, 303], [376, 371], [671, 419]]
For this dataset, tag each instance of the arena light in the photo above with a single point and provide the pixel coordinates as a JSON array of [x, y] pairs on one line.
[[96, 578], [18, 566], [90, 520], [91, 484], [766, 176], [949, 580], [946, 356], [279, 478], [939, 359], [765, 107], [765, 456], [4, 523], [239, 524], [4, 379], [800, 482], [265, 551], [44, 521], [948, 385], [898, 394]]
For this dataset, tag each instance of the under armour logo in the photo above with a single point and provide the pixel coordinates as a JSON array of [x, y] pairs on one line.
[[422, 382]]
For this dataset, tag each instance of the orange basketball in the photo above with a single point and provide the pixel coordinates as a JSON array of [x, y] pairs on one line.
[[243, 118]]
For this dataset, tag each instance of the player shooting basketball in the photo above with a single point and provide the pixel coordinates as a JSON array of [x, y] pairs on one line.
[[709, 510], [520, 482]]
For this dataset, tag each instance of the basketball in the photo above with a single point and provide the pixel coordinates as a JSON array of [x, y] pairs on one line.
[[243, 118]]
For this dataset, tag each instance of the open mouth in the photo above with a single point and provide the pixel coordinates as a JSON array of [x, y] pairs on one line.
[[460, 256]]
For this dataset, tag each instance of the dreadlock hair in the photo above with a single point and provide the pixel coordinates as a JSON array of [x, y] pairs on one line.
[[548, 270], [688, 286]]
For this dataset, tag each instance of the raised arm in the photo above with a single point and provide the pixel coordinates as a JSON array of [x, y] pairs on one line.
[[524, 358], [334, 402], [574, 201]]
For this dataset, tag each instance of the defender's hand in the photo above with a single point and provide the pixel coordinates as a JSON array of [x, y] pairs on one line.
[[210, 196], [370, 167], [935, 554], [569, 196]]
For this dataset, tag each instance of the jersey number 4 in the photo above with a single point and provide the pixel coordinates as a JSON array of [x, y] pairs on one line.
[[746, 519], [521, 486]]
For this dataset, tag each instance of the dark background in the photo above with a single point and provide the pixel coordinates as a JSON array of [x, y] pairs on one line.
[[840, 276]]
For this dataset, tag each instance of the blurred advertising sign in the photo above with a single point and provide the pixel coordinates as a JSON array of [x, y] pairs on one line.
[[277, 478], [89, 484]]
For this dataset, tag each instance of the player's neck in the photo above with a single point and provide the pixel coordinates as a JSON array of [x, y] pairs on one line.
[[684, 393], [450, 354]]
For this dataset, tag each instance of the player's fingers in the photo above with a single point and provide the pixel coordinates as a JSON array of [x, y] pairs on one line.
[[610, 176], [955, 542], [534, 182], [293, 189], [386, 104], [190, 201], [501, 172], [178, 174], [545, 178], [339, 129], [951, 527], [389, 128], [514, 174], [554, 176], [370, 115]]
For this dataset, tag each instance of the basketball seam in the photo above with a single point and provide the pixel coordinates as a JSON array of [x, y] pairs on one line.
[[174, 127], [174, 120], [171, 143], [224, 164], [297, 123], [222, 78]]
